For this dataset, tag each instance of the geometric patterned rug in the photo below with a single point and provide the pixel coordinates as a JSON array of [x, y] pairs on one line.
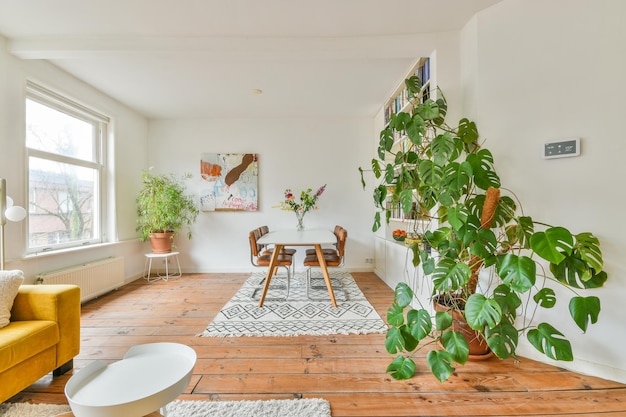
[[298, 314], [308, 407]]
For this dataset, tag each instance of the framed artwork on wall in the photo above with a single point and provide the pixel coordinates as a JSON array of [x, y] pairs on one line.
[[231, 181]]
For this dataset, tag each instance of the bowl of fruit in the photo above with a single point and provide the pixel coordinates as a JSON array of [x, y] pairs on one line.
[[399, 235]]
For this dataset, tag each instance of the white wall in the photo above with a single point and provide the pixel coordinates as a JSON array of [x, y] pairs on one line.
[[542, 71], [293, 153], [128, 157]]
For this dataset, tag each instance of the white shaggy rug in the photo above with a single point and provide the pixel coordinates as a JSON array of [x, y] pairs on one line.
[[298, 314], [310, 407]]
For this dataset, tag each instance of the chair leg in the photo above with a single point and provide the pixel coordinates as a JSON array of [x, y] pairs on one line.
[[309, 278], [288, 282], [308, 282], [261, 284]]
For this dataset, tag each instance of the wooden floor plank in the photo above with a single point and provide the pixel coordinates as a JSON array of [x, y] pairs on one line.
[[349, 371]]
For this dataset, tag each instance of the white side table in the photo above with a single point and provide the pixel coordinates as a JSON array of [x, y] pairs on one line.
[[166, 256], [149, 377]]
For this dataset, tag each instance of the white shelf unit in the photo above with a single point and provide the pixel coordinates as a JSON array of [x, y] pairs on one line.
[[393, 260]]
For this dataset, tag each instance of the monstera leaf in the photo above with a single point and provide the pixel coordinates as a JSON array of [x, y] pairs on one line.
[[549, 341], [553, 245]]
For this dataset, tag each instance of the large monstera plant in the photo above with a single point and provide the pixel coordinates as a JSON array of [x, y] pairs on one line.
[[484, 258]]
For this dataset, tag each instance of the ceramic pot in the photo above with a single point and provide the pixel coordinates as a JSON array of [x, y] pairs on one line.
[[162, 242], [478, 348]]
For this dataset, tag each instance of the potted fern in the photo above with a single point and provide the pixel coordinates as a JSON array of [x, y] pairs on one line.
[[163, 208], [474, 229]]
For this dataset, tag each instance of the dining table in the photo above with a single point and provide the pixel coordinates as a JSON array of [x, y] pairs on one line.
[[306, 237]]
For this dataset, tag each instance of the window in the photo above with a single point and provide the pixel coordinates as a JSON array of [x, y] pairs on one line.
[[65, 144]]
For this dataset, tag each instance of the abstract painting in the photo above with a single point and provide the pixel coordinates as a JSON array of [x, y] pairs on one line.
[[231, 181]]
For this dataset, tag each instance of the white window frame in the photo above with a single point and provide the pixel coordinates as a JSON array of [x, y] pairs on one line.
[[61, 103]]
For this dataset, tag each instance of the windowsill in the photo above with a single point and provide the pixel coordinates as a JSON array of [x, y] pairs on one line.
[[38, 255]]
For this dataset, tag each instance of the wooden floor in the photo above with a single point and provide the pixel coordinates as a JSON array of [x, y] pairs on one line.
[[349, 371]]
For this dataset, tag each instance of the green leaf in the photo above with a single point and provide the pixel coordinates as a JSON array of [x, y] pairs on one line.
[[508, 300], [395, 315], [553, 245], [584, 310], [502, 339], [390, 174], [401, 368], [443, 149], [443, 110], [419, 323], [456, 181], [406, 201], [481, 311], [573, 271], [518, 272], [468, 132], [549, 341], [376, 224], [545, 297], [410, 342], [440, 363], [450, 275], [443, 320], [399, 120], [385, 143], [456, 345], [380, 196], [589, 248], [413, 85], [428, 110], [362, 179], [403, 295], [484, 173], [457, 216], [394, 340], [376, 167], [430, 173], [521, 232], [416, 129], [485, 243]]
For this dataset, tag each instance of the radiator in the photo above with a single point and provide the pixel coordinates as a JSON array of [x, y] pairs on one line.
[[94, 278]]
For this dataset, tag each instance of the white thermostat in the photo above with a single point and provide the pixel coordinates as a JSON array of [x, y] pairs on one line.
[[562, 149]]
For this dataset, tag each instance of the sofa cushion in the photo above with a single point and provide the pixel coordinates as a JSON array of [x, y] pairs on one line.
[[10, 282], [22, 339]]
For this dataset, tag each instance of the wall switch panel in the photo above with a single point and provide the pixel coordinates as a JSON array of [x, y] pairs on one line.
[[562, 149]]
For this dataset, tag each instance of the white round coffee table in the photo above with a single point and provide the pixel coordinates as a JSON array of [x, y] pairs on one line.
[[144, 381]]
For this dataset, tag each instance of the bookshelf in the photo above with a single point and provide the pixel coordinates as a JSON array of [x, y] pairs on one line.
[[400, 99], [393, 259]]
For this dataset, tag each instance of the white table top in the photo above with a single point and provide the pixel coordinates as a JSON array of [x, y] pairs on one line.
[[298, 237], [149, 376]]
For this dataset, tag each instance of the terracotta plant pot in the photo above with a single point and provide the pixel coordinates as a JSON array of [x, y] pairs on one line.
[[162, 242], [478, 348]]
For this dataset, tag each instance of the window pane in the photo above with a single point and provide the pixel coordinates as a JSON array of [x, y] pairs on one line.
[[62, 201], [56, 132]]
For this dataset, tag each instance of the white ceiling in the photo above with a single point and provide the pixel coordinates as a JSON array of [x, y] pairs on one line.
[[203, 58]]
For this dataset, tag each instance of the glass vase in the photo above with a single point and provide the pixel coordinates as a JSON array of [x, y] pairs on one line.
[[300, 217]]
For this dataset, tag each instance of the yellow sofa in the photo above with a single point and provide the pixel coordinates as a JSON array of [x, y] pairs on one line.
[[43, 336]]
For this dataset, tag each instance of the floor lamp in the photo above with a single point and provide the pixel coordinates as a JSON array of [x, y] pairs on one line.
[[7, 212]]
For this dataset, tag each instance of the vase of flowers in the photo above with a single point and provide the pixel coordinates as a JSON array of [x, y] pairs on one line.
[[307, 202]]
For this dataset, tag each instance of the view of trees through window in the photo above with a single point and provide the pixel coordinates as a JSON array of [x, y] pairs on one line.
[[63, 143]]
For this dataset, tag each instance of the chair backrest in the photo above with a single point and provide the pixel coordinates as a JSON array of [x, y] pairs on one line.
[[254, 246], [343, 236], [336, 233]]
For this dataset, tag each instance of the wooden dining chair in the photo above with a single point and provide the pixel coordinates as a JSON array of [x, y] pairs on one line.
[[262, 260], [268, 250], [328, 251], [332, 261]]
